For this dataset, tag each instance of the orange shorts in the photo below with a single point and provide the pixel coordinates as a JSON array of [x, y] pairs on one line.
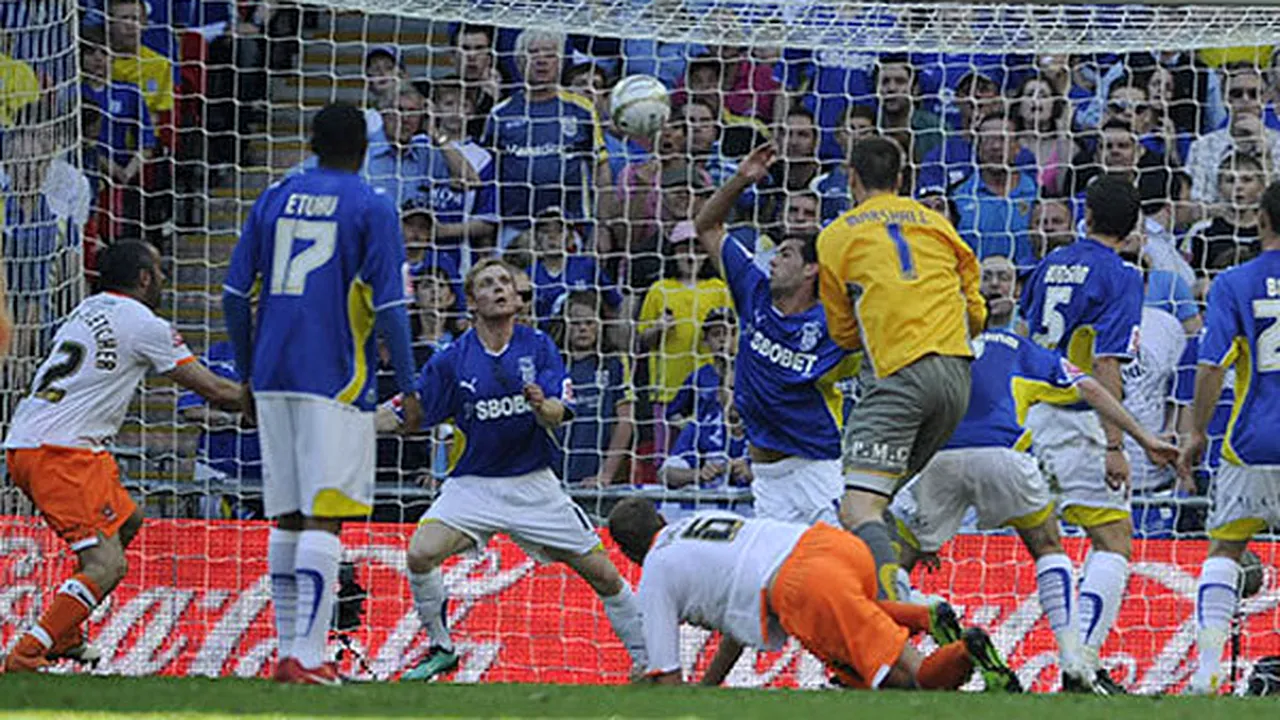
[[78, 491], [824, 595]]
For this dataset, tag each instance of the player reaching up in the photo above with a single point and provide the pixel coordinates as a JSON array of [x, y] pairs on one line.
[[1240, 329], [786, 371], [327, 249], [504, 386], [899, 283], [1084, 302], [985, 465], [57, 442], [759, 580]]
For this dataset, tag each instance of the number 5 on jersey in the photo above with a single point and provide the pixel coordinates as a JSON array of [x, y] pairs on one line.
[[288, 271], [1055, 325]]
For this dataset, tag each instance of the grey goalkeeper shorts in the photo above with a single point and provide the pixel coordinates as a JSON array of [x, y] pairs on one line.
[[902, 420]]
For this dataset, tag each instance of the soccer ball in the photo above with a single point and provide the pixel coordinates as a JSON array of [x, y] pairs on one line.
[[639, 105]]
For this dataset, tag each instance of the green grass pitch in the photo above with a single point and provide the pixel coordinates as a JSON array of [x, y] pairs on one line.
[[77, 697]]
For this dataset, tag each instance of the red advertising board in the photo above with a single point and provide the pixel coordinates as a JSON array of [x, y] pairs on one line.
[[196, 602]]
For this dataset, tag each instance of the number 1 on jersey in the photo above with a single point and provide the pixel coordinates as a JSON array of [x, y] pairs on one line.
[[906, 264], [288, 271]]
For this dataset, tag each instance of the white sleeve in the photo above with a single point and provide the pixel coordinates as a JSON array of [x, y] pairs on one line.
[[159, 345], [661, 619]]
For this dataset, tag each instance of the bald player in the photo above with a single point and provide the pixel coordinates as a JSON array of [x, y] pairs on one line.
[[897, 282]]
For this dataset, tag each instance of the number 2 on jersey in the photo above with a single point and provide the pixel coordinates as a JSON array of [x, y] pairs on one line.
[[288, 271], [1269, 339], [906, 264], [73, 356]]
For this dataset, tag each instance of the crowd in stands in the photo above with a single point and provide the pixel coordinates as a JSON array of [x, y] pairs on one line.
[[506, 148]]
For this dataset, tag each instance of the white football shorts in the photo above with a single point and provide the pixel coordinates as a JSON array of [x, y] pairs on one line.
[[318, 456], [798, 490], [532, 509], [1246, 500], [1004, 486], [1073, 450]]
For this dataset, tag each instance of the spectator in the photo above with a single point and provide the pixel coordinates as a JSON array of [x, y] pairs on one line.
[[383, 73], [18, 88], [133, 62], [1130, 102], [481, 80], [916, 130], [1041, 118], [1161, 191], [994, 204], [557, 272], [799, 166], [703, 136], [597, 441], [746, 86], [671, 318], [1245, 132], [857, 122], [120, 129], [396, 162], [1163, 290], [1116, 152], [638, 194], [681, 192], [954, 161], [719, 343], [437, 317], [228, 459], [704, 79], [1051, 226], [458, 179], [1241, 180], [999, 285], [547, 142], [1189, 91], [711, 451]]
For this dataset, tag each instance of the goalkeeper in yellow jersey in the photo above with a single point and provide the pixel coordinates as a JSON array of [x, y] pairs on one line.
[[899, 284]]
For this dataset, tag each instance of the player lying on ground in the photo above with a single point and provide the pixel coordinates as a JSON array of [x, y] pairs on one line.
[[759, 580], [328, 252], [1239, 332], [1085, 303], [899, 283], [57, 442], [985, 465], [504, 387]]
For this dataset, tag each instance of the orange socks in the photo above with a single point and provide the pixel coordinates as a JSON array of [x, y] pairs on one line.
[[913, 617], [76, 598], [946, 669]]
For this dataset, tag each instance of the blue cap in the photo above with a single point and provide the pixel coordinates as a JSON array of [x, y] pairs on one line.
[[389, 50]]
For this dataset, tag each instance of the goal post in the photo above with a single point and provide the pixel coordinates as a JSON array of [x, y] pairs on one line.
[[247, 84]]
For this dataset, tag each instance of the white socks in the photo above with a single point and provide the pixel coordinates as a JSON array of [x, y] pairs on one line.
[[317, 577], [282, 548], [1216, 595], [429, 600], [1055, 579], [1101, 590], [624, 615]]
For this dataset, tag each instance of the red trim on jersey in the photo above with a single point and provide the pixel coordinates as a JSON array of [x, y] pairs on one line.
[[185, 360]]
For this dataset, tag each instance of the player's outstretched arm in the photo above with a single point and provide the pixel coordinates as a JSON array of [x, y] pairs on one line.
[[1111, 410], [219, 391], [1209, 381], [715, 213]]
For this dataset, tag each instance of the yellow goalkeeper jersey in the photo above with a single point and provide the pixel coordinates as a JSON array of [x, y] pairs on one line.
[[899, 283]]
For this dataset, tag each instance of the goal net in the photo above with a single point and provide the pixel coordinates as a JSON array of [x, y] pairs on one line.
[[165, 120]]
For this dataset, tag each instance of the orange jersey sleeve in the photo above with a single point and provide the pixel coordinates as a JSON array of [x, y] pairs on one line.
[[897, 281]]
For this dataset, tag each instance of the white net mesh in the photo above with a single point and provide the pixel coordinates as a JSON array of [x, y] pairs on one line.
[[1084, 93]]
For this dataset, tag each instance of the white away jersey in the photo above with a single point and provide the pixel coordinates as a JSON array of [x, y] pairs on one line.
[[709, 570], [1148, 388], [80, 392]]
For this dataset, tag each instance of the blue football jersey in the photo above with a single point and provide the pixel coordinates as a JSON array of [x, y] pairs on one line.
[[546, 153], [1084, 302], [1010, 374], [328, 251], [483, 395], [786, 369], [580, 272], [1242, 329], [707, 440]]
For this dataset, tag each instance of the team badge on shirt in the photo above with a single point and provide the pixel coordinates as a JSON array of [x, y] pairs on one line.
[[569, 126], [528, 373], [810, 334]]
